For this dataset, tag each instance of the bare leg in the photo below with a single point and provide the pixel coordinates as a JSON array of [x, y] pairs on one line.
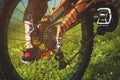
[[34, 12]]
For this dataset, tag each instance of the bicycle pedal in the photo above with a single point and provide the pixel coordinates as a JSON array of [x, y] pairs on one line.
[[107, 18]]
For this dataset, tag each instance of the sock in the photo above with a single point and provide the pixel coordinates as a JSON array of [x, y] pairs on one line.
[[27, 34]]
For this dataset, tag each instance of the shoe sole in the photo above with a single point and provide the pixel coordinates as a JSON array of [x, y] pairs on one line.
[[27, 62], [44, 54]]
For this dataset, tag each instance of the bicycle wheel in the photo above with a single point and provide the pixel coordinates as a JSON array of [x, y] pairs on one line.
[[77, 42]]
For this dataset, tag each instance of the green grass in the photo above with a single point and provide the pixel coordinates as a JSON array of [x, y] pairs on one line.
[[105, 60]]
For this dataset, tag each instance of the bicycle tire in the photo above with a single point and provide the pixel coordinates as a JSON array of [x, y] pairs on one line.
[[7, 70]]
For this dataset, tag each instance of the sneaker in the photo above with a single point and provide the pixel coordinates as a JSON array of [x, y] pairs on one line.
[[32, 54]]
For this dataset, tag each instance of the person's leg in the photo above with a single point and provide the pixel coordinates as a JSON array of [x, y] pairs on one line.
[[60, 11], [34, 12]]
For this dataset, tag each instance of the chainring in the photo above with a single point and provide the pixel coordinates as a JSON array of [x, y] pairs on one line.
[[49, 37]]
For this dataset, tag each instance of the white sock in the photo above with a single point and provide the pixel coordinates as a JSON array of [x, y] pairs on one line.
[[27, 34]]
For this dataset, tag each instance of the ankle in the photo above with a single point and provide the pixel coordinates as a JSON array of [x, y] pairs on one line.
[[29, 46]]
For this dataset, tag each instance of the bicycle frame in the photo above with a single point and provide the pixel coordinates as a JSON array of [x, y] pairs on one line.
[[72, 10]]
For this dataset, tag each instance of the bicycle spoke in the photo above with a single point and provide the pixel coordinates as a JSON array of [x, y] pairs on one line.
[[71, 40], [16, 39], [16, 45], [74, 32], [69, 61], [18, 31], [79, 50], [19, 11], [70, 35], [23, 4], [17, 19]]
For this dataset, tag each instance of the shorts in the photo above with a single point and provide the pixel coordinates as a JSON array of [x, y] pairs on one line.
[[35, 10]]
